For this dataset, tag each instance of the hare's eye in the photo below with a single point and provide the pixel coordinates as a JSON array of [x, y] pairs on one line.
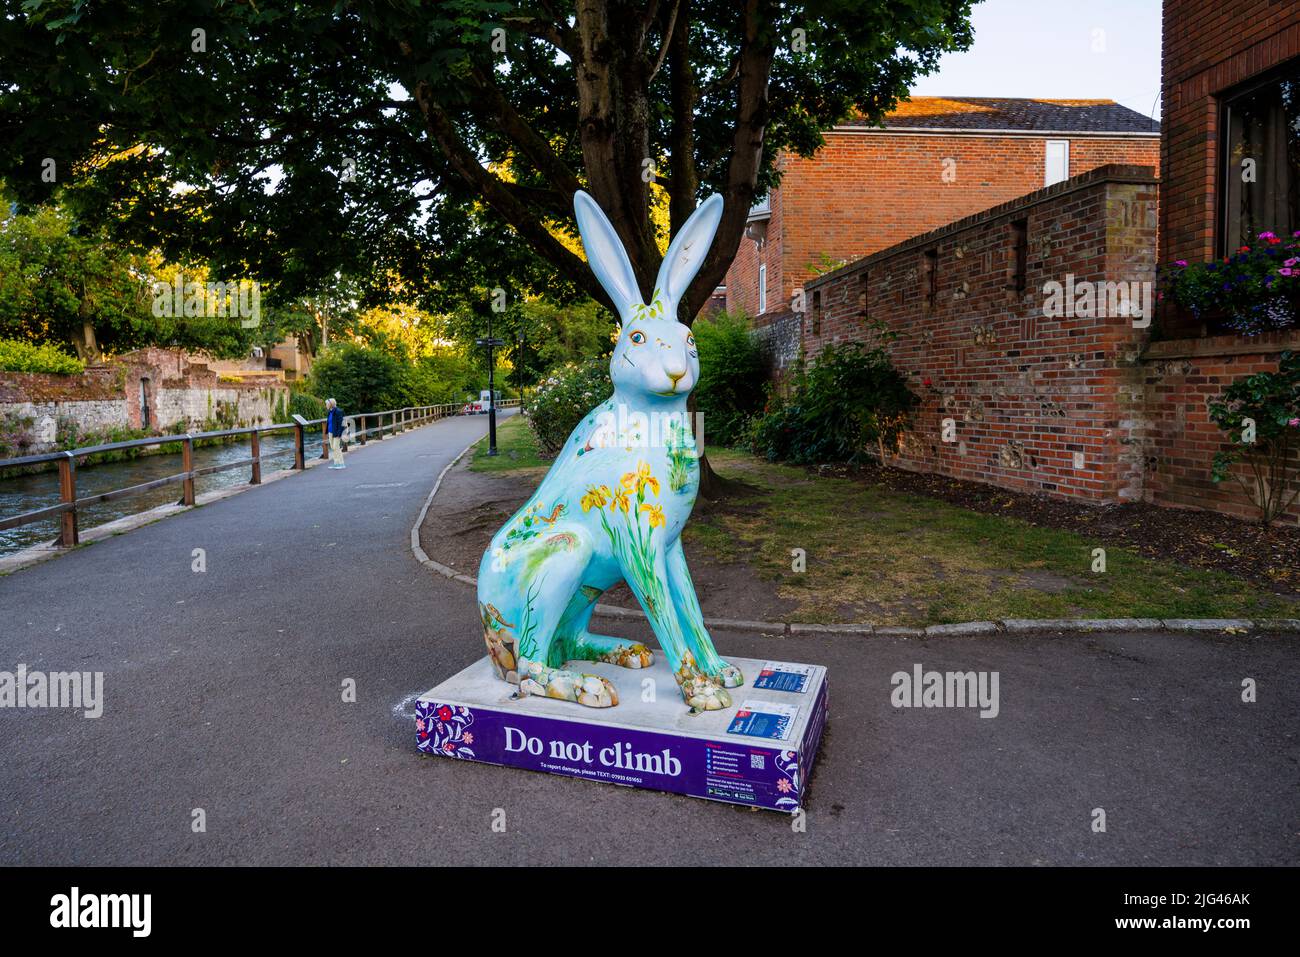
[[637, 337], [690, 339]]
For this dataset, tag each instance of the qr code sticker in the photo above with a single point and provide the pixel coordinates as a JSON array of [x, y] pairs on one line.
[[757, 762]]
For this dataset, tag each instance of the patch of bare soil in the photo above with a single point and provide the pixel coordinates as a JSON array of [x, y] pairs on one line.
[[1268, 556], [471, 506]]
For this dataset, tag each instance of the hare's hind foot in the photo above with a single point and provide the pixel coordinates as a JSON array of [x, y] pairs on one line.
[[702, 692], [590, 690], [612, 651], [503, 652], [729, 676]]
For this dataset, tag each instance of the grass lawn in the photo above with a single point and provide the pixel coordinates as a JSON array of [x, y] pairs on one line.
[[516, 448], [896, 558]]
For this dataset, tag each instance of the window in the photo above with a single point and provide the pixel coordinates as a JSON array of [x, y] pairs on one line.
[[865, 279], [1261, 172], [1056, 161], [1020, 257], [762, 289], [930, 278]]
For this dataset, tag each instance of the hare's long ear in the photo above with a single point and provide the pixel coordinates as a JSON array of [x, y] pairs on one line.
[[689, 247], [605, 254]]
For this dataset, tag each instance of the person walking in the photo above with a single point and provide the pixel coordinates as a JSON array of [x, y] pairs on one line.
[[334, 426]]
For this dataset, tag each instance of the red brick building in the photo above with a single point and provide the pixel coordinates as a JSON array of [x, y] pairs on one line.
[[1231, 150], [1092, 405], [1231, 160], [935, 161]]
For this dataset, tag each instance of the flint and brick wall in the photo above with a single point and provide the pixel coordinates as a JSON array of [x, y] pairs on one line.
[[105, 397], [867, 190], [1079, 407], [1027, 393]]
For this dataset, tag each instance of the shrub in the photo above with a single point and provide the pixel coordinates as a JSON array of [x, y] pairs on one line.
[[362, 378], [733, 374], [1271, 401], [445, 377], [16, 355], [561, 400], [17, 435], [1257, 288], [851, 401], [305, 404]]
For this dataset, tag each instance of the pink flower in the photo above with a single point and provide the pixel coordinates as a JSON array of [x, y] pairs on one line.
[[1294, 423], [1181, 262], [783, 786], [1286, 272], [419, 724], [1271, 237], [1292, 261], [469, 738]]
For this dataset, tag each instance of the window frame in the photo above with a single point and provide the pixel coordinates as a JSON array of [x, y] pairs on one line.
[[1046, 154], [1223, 116]]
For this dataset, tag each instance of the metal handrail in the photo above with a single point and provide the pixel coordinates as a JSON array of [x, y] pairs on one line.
[[399, 420]]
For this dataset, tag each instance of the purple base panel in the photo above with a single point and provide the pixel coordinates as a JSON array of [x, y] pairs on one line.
[[569, 740]]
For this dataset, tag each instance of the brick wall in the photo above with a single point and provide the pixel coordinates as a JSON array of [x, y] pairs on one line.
[[1209, 47], [1182, 377], [1071, 406], [1039, 404], [866, 190], [742, 275]]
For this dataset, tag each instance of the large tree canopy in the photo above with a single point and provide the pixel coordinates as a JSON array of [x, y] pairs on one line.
[[294, 142]]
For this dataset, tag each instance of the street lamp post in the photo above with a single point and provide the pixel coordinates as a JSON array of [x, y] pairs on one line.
[[491, 344], [519, 369]]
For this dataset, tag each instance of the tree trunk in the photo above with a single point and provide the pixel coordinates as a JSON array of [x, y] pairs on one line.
[[87, 345], [712, 485]]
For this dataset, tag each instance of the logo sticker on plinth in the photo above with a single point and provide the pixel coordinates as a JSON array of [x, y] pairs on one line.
[[782, 676], [764, 719]]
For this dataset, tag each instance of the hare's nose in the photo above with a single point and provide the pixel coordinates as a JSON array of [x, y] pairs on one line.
[[675, 375]]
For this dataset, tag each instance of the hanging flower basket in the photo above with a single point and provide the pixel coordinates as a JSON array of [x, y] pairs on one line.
[[1254, 290]]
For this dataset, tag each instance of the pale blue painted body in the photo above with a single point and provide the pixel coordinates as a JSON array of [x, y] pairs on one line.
[[613, 505]]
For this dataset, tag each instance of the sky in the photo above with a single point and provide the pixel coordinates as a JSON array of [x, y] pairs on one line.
[[1058, 49]]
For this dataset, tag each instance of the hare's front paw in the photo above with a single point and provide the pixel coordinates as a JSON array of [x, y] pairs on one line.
[[729, 676], [702, 692], [590, 690]]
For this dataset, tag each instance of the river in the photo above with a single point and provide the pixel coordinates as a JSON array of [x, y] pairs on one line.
[[29, 492]]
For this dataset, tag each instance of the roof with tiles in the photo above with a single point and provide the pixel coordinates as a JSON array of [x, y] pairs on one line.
[[1017, 114]]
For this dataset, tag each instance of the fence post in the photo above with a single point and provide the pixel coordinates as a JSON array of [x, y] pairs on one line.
[[362, 439], [68, 495], [299, 454], [187, 463], [257, 458]]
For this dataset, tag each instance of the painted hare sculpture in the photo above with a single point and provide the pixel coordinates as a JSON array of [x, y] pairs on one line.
[[613, 505]]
